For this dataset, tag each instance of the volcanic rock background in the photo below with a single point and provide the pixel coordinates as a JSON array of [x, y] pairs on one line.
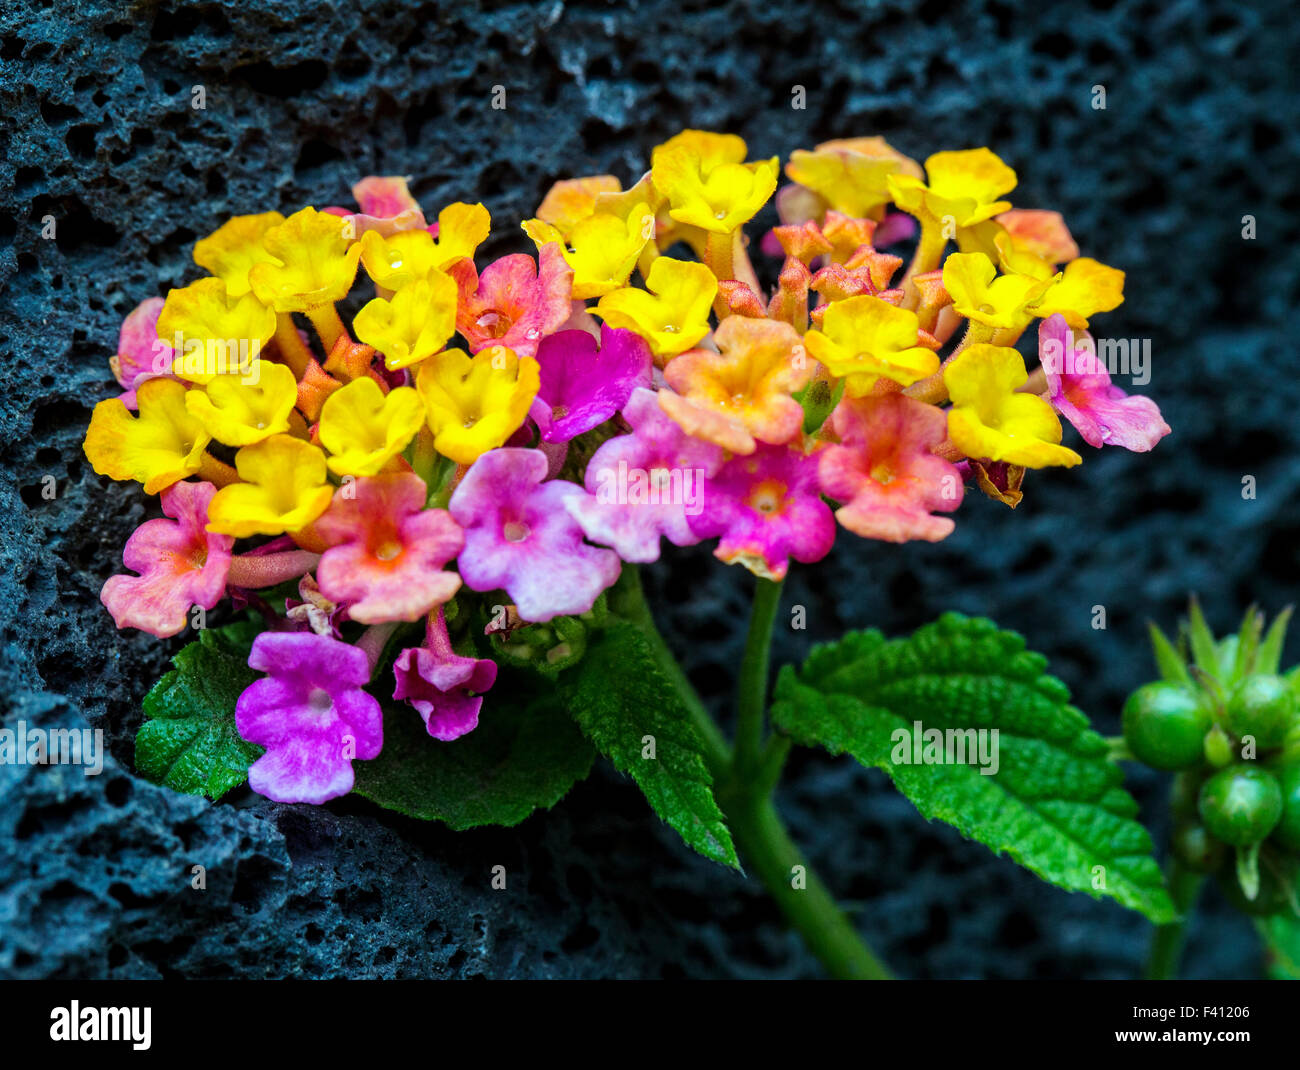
[[303, 98]]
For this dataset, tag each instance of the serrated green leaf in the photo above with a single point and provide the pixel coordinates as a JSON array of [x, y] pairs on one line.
[[523, 756], [1055, 804], [189, 743], [618, 695]]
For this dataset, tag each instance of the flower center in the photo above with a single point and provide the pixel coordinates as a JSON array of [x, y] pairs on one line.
[[768, 497], [493, 323], [388, 550], [515, 531], [319, 700], [882, 473]]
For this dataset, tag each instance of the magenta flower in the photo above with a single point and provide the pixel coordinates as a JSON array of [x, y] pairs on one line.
[[766, 508], [445, 688], [885, 473], [311, 715], [514, 303], [140, 353], [582, 388], [180, 564], [645, 484], [519, 536], [1079, 387], [387, 564]]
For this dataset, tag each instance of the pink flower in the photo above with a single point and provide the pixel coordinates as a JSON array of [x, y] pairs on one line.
[[645, 484], [445, 688], [387, 561], [386, 206], [180, 564], [513, 303], [766, 507], [141, 355], [581, 388], [885, 472], [519, 536], [311, 715], [1079, 387]]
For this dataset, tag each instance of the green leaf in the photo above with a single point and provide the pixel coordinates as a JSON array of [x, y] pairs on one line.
[[1270, 651], [523, 756], [1055, 804], [619, 695], [1205, 651], [1168, 661], [1281, 936], [190, 743]]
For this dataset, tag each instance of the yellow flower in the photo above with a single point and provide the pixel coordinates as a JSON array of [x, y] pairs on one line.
[[364, 429], [570, 201], [963, 186], [851, 174], [238, 412], [161, 446], [674, 314], [235, 247], [398, 259], [989, 420], [1000, 301], [462, 228], [602, 249], [475, 403], [1085, 288], [414, 323], [866, 339], [218, 334], [707, 184], [315, 263], [284, 489]]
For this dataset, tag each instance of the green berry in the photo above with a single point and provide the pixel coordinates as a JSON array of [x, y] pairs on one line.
[[1287, 832], [1240, 805], [1164, 725], [1196, 848], [1262, 706]]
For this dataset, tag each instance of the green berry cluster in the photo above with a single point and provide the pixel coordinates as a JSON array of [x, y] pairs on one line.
[[1228, 723]]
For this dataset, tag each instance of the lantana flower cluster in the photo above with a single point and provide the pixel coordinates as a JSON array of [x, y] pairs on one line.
[[522, 430]]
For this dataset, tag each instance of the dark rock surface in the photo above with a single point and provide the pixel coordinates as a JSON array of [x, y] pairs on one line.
[[98, 132]]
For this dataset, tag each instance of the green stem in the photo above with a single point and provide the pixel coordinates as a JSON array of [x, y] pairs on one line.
[[752, 691], [1167, 944], [803, 898], [755, 825]]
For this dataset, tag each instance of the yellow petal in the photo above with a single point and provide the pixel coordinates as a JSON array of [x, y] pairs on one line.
[[414, 323], [161, 446], [240, 412], [235, 247], [364, 429], [474, 404], [213, 333], [315, 262], [284, 489]]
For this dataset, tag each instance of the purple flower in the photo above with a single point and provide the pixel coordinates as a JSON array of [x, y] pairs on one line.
[[445, 688], [1079, 387], [519, 536], [311, 715], [645, 484], [582, 388]]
